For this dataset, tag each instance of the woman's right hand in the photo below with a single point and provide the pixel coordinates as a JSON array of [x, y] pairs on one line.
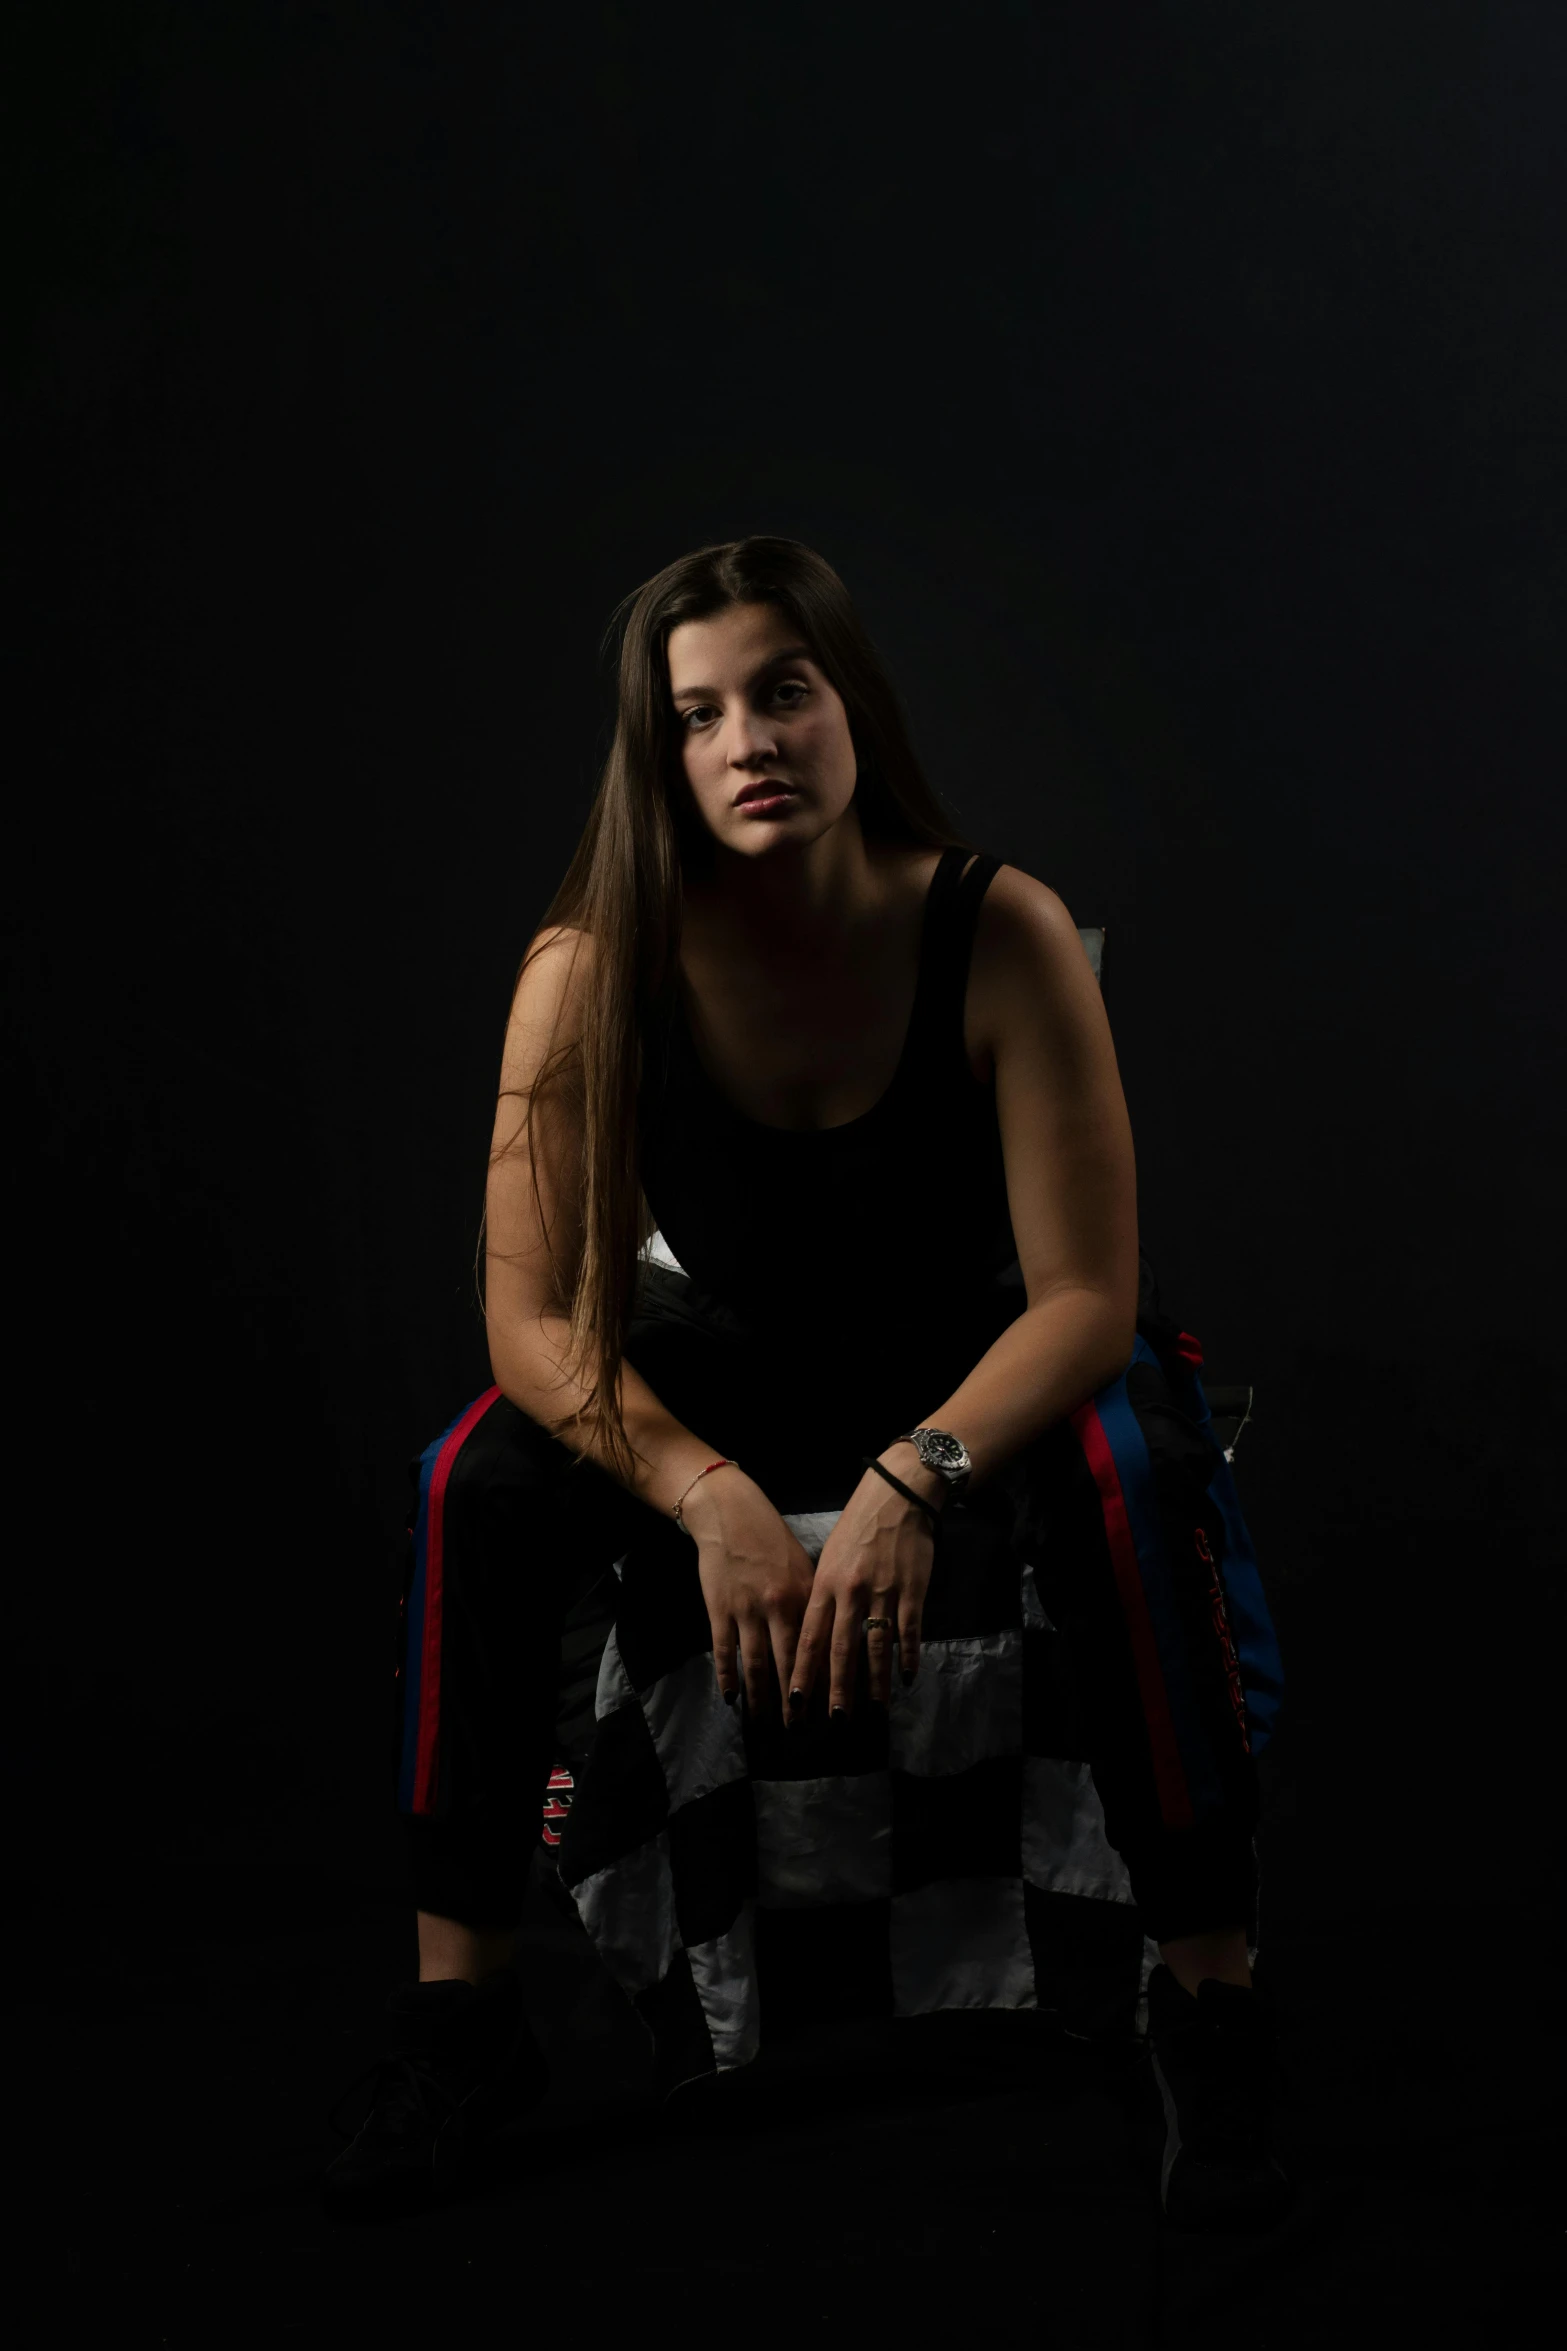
[[756, 1580]]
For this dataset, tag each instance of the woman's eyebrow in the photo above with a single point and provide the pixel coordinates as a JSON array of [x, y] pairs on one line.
[[773, 661]]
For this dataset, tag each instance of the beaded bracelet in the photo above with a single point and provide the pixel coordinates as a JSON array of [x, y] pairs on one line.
[[726, 1463]]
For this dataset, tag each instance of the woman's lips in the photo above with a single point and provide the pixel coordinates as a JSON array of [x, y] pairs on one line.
[[768, 802]]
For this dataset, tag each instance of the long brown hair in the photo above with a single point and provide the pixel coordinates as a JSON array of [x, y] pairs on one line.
[[624, 888]]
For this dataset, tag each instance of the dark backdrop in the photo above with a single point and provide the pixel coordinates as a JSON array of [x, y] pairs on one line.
[[1180, 391]]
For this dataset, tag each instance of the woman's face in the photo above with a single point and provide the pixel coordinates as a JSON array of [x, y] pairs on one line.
[[752, 710]]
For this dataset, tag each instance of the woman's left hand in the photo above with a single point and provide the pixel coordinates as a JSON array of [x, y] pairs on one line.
[[875, 1563]]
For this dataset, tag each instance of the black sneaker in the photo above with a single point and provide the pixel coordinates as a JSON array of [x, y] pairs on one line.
[[1215, 2060], [464, 2064]]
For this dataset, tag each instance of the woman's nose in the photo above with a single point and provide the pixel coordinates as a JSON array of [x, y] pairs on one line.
[[749, 738]]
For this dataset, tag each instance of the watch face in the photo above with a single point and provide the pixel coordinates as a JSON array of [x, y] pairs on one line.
[[943, 1452]]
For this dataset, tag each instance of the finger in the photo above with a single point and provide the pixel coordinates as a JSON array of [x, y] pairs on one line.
[[811, 1648], [726, 1663], [845, 1656], [880, 1644], [909, 1643], [784, 1627], [754, 1658]]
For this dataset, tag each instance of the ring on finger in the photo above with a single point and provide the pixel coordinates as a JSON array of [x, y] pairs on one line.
[[878, 1624]]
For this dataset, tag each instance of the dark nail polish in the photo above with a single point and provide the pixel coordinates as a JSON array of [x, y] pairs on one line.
[[838, 1717], [796, 1702], [908, 1681], [730, 1696]]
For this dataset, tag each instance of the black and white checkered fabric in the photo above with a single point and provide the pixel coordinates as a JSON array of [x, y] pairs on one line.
[[741, 1878]]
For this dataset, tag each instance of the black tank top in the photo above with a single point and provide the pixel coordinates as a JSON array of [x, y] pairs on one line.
[[866, 1265]]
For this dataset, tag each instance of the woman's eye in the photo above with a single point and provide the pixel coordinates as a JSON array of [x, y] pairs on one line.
[[796, 687]]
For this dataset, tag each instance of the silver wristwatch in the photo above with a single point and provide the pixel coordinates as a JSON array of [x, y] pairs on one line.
[[947, 1455]]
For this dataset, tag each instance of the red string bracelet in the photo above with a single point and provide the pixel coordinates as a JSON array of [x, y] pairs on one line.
[[726, 1463]]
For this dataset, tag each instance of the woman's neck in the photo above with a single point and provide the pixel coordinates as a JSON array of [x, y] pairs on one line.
[[817, 901]]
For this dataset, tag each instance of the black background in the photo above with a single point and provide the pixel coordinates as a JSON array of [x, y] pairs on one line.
[[1180, 393]]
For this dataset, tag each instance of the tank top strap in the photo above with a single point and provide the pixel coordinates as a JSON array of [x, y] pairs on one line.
[[952, 912], [969, 889]]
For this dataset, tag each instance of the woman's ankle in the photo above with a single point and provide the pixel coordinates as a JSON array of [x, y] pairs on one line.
[[450, 1950], [1222, 1953]]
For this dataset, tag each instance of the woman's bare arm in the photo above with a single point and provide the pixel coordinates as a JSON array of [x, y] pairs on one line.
[[526, 1310], [1072, 1190], [1071, 1182], [755, 1574]]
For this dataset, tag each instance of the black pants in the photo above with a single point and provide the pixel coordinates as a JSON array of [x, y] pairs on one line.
[[1116, 1507]]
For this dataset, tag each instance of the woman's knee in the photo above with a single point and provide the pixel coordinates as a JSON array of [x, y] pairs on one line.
[[486, 1475], [494, 1468]]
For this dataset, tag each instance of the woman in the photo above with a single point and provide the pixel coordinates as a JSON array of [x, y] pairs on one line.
[[860, 1080]]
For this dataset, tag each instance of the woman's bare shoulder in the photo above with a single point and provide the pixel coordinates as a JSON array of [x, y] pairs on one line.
[[548, 1002], [563, 941], [558, 959], [1027, 953], [1018, 909]]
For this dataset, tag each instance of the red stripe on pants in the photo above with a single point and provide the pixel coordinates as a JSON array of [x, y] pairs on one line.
[[1175, 1803], [427, 1750]]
